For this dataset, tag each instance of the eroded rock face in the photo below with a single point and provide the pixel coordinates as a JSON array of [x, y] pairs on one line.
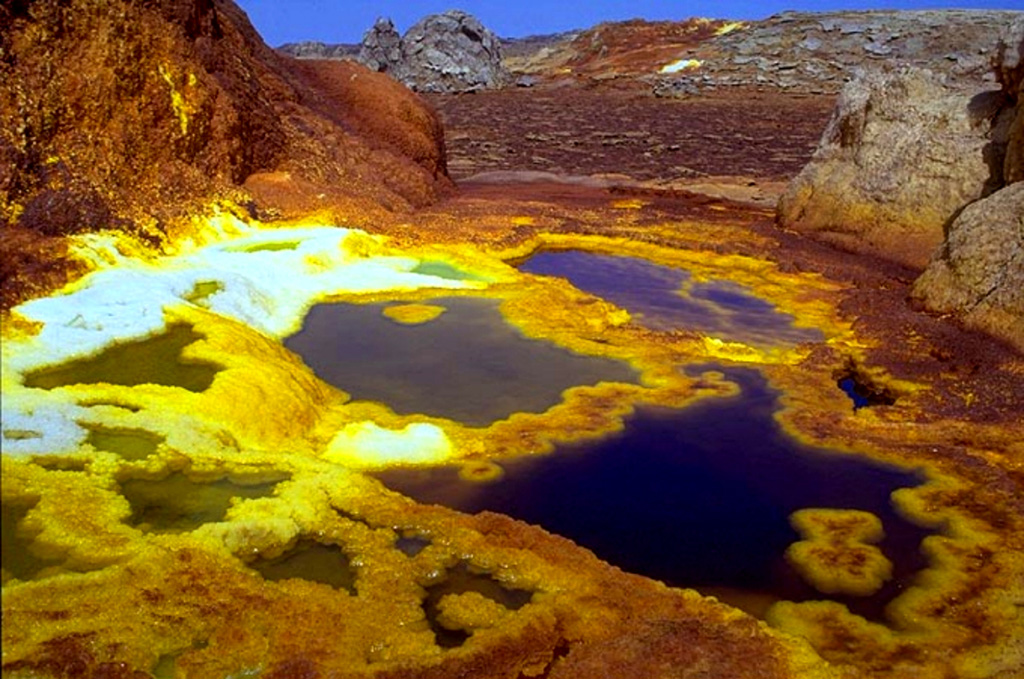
[[980, 272], [1009, 70], [381, 49], [451, 52], [902, 153]]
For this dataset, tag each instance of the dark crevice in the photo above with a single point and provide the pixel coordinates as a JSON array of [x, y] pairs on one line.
[[560, 651], [460, 579]]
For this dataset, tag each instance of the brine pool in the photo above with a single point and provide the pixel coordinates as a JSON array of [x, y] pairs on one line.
[[697, 496]]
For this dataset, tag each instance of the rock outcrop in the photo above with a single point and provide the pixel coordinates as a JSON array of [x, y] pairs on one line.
[[381, 49], [135, 115], [451, 52], [314, 49], [819, 52], [1009, 70], [901, 155], [979, 272]]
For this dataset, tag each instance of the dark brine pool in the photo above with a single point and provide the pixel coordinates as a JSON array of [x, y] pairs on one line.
[[665, 298], [698, 497]]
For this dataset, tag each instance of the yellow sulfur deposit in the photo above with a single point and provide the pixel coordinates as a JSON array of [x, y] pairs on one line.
[[413, 314], [183, 496], [836, 555]]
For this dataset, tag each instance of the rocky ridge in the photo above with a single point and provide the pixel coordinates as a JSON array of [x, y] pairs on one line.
[[811, 53], [818, 52], [314, 49]]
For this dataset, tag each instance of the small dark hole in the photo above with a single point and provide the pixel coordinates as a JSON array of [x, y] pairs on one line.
[[412, 545], [862, 395], [462, 579]]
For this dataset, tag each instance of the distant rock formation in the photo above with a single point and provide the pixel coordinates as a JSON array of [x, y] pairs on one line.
[[381, 49], [313, 49], [979, 272], [819, 52], [902, 153], [447, 52], [451, 52]]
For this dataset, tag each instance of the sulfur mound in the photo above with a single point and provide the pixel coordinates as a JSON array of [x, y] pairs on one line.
[[135, 115], [836, 556]]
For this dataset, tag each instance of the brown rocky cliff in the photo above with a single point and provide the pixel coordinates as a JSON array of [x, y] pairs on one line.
[[978, 274], [902, 153], [132, 115]]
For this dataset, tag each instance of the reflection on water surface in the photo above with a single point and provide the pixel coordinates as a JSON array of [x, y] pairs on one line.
[[665, 298], [468, 364]]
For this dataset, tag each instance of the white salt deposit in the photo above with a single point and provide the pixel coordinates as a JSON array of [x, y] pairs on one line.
[[269, 289]]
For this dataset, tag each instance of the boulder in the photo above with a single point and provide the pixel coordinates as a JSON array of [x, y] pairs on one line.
[[902, 153], [451, 52], [381, 49], [979, 273], [1009, 69]]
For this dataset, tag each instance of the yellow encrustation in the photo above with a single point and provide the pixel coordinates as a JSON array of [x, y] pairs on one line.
[[241, 287], [836, 555]]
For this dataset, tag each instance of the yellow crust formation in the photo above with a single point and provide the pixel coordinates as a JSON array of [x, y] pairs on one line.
[[836, 556], [103, 584], [413, 314]]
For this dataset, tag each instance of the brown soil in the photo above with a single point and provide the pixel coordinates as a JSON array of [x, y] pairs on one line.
[[578, 131]]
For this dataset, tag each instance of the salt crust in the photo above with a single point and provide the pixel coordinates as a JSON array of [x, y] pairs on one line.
[[268, 288]]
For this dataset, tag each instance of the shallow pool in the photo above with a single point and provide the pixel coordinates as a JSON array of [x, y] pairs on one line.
[[666, 298], [468, 364]]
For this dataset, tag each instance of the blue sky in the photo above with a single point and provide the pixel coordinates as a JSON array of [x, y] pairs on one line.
[[281, 21]]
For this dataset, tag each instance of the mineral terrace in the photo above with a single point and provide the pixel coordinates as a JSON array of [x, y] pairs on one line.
[[190, 490]]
